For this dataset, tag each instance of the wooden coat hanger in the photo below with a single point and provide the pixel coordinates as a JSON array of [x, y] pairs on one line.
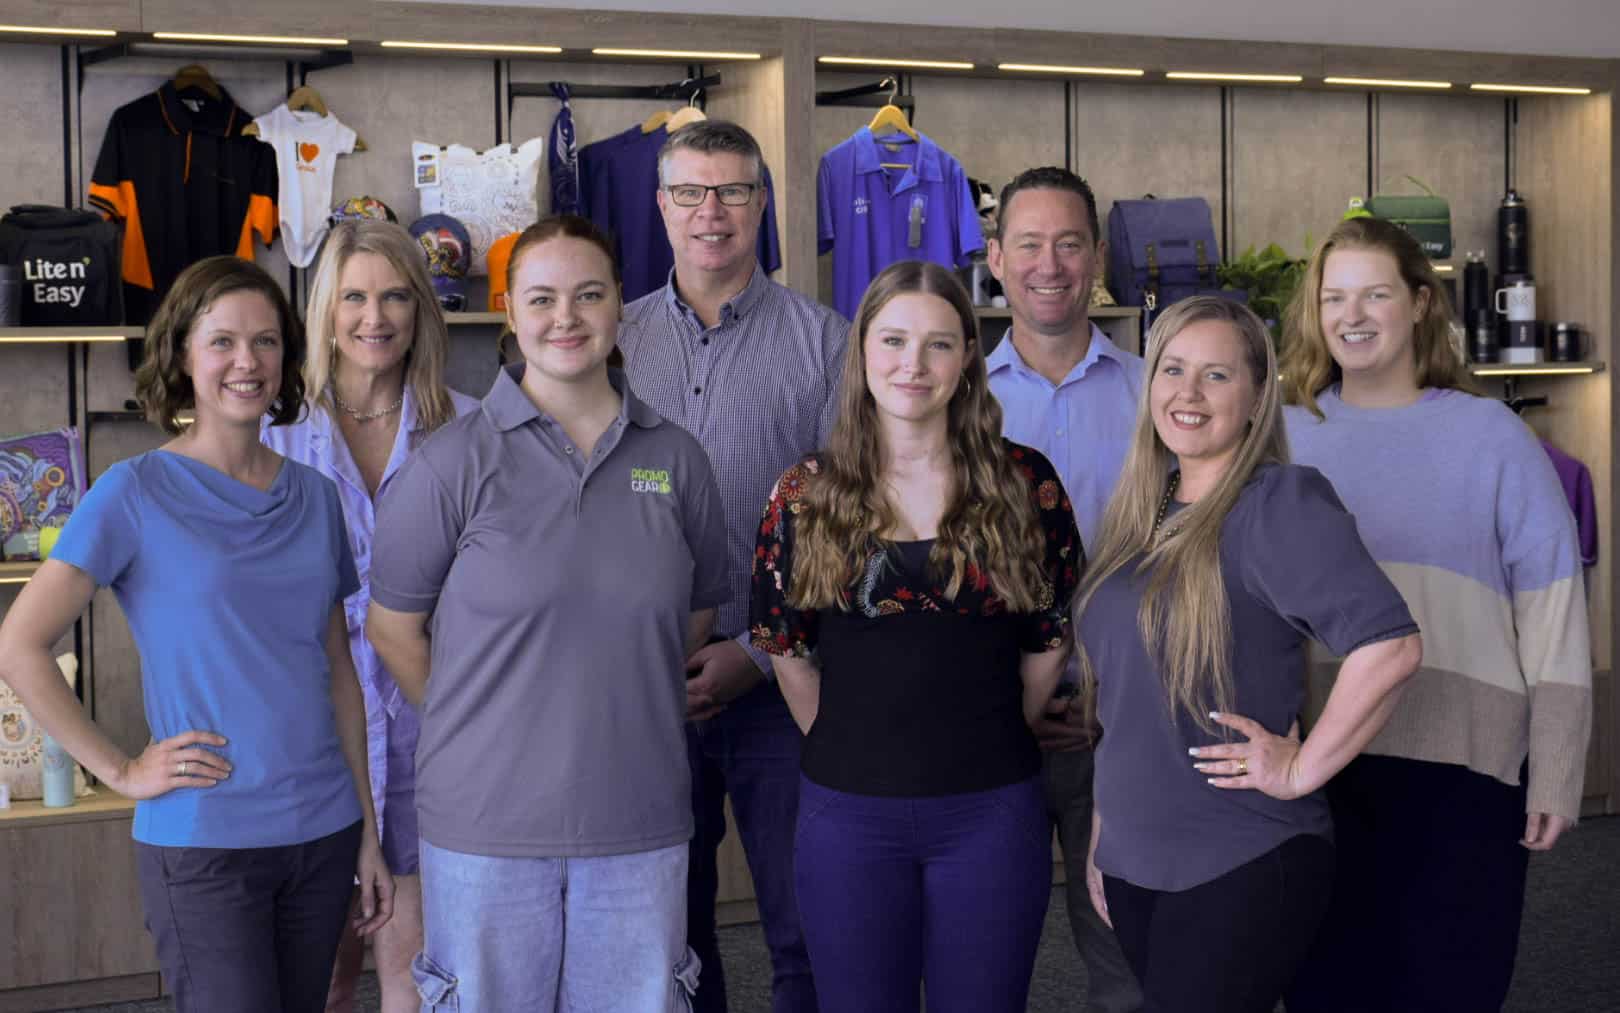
[[890, 120], [304, 98], [655, 121], [689, 114], [195, 75]]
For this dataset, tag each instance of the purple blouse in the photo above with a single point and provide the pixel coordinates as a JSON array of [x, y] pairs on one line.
[[318, 442], [1294, 569]]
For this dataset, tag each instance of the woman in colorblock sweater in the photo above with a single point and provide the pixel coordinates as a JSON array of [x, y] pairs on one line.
[[1482, 761]]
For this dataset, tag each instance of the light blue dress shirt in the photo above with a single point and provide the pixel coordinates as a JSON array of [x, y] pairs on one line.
[[1083, 425]]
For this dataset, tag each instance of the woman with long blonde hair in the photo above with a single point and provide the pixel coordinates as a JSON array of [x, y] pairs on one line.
[[911, 583], [374, 380], [1211, 843], [1483, 763]]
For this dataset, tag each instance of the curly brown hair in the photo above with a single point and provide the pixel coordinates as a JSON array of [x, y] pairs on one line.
[[161, 384], [991, 522]]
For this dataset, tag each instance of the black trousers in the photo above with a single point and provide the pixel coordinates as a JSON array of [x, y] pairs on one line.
[[1231, 945], [1428, 894], [250, 930]]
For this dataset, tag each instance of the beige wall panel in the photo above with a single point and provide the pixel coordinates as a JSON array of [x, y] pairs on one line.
[[474, 358], [343, 19], [31, 160], [1130, 141], [1565, 172], [33, 388], [1297, 158], [109, 384], [1454, 143], [122, 15], [391, 101], [570, 28]]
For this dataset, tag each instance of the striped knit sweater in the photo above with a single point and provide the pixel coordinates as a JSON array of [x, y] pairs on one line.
[[1461, 507]]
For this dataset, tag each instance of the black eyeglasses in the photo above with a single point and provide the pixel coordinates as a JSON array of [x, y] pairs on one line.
[[690, 195]]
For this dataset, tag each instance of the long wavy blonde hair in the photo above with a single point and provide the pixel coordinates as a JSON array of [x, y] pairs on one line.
[[1308, 367], [426, 359], [990, 522], [1184, 617]]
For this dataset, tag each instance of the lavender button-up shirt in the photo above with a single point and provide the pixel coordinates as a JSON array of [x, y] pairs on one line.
[[759, 390], [318, 442]]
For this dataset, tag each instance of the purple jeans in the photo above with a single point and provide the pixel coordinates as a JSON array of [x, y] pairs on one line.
[[949, 893]]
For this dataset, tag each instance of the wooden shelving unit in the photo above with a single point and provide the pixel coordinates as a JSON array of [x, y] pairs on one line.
[[68, 335], [17, 573]]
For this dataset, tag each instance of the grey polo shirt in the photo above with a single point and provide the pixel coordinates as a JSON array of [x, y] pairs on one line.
[[560, 589], [759, 390]]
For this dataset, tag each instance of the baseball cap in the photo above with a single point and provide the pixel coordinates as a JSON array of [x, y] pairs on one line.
[[361, 207], [448, 249], [500, 255]]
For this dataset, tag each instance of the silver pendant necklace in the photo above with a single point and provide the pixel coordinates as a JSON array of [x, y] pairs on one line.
[[367, 416]]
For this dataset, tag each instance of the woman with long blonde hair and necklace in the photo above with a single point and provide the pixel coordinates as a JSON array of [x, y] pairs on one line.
[[1212, 849], [911, 582]]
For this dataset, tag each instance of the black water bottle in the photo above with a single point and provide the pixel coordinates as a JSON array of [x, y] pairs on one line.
[[1513, 235], [1477, 294]]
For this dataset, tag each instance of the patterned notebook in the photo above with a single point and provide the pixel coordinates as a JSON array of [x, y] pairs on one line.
[[42, 477]]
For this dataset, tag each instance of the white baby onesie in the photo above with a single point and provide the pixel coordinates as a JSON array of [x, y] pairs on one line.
[[307, 146], [491, 192]]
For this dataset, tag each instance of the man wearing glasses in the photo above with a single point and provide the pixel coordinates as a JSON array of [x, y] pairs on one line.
[[751, 369]]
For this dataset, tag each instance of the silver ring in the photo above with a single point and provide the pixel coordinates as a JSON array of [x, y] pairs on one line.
[[181, 769]]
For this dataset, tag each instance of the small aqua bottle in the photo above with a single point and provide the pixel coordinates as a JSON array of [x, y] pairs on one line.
[[56, 775]]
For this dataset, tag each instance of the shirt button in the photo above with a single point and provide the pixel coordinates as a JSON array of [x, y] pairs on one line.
[[704, 341], [1060, 432], [568, 450], [697, 390]]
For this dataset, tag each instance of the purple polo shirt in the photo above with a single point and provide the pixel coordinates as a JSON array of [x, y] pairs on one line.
[[618, 190], [1294, 569], [871, 217], [560, 587]]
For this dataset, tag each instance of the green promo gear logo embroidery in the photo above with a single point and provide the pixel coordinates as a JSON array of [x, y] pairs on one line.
[[649, 480]]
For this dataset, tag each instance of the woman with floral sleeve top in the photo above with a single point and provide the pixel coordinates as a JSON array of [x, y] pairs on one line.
[[911, 584]]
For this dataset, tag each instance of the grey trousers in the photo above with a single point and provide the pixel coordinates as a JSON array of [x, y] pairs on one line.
[[1112, 985], [248, 930]]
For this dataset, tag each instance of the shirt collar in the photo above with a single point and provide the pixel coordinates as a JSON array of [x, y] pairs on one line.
[[925, 167], [736, 308], [216, 116], [507, 407], [1006, 355]]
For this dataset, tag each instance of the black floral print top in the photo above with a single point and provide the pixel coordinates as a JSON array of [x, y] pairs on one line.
[[920, 693], [887, 589]]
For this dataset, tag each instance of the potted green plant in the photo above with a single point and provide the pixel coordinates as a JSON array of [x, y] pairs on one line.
[[1269, 276]]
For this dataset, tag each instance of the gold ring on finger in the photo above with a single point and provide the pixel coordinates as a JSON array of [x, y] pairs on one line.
[[1243, 765]]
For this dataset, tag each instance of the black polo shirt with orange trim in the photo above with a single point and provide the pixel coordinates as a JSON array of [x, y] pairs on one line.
[[176, 170]]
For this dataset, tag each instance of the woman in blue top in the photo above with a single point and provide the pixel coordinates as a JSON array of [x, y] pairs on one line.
[[231, 566], [375, 380]]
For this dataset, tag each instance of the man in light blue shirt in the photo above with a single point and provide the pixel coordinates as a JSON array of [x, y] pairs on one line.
[[1070, 393]]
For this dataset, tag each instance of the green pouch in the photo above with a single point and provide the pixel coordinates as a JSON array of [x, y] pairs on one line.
[[1426, 216]]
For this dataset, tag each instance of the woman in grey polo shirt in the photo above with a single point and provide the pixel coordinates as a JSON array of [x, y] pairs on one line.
[[1216, 866], [543, 566]]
